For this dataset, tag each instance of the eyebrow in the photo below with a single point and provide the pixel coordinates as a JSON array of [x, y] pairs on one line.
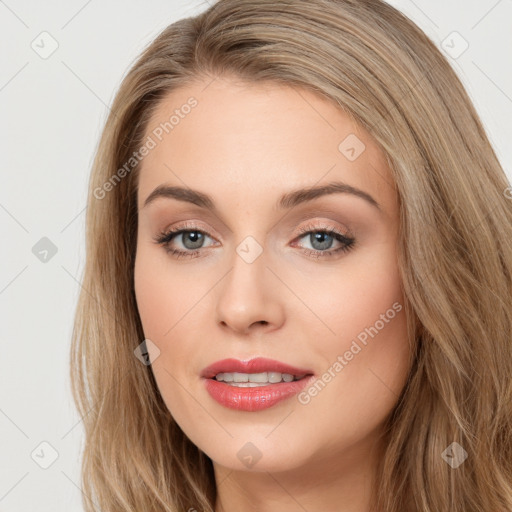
[[288, 200]]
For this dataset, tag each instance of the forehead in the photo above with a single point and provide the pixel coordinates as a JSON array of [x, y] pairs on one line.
[[256, 140]]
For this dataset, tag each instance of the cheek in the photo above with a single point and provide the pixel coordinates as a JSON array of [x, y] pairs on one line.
[[152, 294], [173, 309], [351, 296], [374, 317], [374, 289], [366, 360], [162, 298]]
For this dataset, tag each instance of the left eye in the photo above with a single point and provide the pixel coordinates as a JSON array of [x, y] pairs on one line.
[[322, 238]]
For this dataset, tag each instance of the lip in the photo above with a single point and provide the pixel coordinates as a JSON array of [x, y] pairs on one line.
[[255, 398]]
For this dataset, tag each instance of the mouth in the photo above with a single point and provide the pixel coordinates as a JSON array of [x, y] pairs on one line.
[[253, 385]]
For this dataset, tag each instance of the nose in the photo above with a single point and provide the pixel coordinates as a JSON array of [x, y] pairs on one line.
[[250, 297]]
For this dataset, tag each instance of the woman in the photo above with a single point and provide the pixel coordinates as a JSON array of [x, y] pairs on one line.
[[297, 292]]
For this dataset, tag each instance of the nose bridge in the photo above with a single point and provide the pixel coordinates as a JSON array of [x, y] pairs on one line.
[[247, 278], [245, 297]]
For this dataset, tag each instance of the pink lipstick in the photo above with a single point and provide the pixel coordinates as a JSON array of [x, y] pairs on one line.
[[253, 385]]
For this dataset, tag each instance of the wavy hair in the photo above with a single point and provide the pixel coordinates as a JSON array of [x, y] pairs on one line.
[[454, 255]]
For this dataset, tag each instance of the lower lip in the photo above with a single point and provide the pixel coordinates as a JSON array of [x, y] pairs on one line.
[[256, 398]]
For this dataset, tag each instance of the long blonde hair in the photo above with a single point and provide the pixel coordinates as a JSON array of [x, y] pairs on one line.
[[455, 256]]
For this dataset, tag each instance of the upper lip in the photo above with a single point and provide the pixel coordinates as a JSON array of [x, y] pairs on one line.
[[256, 365]]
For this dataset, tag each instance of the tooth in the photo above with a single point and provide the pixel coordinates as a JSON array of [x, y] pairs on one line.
[[247, 384], [258, 377], [274, 377]]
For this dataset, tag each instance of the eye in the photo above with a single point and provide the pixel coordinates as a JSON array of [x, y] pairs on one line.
[[191, 240], [322, 240]]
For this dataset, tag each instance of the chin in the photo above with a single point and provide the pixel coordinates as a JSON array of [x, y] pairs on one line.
[[255, 454]]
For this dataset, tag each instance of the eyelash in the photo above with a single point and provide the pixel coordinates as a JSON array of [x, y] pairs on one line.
[[165, 237]]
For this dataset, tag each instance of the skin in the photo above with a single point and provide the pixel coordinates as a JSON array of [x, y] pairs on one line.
[[245, 145]]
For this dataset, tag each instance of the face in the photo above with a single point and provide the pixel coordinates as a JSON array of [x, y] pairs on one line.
[[239, 266]]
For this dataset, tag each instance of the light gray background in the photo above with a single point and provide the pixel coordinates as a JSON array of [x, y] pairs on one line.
[[52, 112]]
